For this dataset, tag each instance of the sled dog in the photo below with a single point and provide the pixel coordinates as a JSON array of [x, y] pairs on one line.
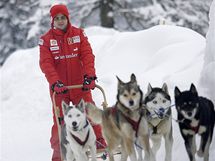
[[77, 134], [123, 123], [196, 115], [157, 102]]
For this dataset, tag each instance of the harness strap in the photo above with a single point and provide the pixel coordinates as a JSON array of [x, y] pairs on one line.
[[82, 143], [134, 124]]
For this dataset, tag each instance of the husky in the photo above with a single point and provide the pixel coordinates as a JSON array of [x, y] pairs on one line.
[[77, 134], [123, 123], [157, 103], [196, 115]]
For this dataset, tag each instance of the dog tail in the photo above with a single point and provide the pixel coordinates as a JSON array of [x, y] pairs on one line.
[[94, 113]]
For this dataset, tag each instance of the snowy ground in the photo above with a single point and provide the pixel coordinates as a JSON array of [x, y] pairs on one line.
[[160, 54]]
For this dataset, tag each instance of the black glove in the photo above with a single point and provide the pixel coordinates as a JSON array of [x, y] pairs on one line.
[[89, 82], [59, 88]]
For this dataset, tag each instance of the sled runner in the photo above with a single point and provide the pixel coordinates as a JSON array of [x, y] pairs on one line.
[[101, 153]]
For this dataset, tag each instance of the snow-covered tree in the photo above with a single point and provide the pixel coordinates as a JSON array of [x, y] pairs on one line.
[[23, 21], [207, 80], [14, 15]]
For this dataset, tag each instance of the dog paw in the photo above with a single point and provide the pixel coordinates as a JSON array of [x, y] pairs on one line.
[[200, 153]]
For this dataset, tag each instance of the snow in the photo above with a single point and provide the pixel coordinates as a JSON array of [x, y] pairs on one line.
[[208, 72], [163, 53]]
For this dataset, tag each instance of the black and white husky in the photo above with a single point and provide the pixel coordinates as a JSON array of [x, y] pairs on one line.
[[77, 134], [158, 113], [196, 116]]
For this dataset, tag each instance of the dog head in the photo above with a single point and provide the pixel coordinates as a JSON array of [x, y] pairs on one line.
[[74, 116], [129, 94], [157, 101], [187, 102]]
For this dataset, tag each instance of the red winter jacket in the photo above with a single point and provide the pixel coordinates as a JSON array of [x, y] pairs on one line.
[[66, 56]]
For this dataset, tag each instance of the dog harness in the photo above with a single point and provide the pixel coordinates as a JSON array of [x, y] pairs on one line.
[[148, 114], [134, 124], [82, 143]]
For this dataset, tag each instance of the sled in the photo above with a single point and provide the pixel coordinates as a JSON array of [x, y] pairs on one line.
[[101, 153]]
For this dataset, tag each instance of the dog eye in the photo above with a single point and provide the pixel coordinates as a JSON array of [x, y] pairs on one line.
[[78, 115], [125, 95], [70, 116], [133, 94], [185, 103], [155, 102]]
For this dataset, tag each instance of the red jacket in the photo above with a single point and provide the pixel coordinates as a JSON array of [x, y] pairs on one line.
[[66, 56]]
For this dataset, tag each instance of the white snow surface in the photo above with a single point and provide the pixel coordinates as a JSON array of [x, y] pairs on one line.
[[163, 53]]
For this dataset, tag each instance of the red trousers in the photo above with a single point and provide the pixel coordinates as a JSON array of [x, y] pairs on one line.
[[54, 133]]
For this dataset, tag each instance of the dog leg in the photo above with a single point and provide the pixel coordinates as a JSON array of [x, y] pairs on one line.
[[205, 146], [129, 150], [139, 149], [156, 140], [168, 145], [124, 155], [93, 153], [80, 156], [190, 147], [144, 142], [110, 152]]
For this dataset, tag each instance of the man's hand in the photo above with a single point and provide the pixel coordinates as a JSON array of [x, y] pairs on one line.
[[89, 82], [59, 88]]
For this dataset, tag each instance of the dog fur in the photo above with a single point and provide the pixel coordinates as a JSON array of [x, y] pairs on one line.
[[114, 121], [196, 115], [77, 134], [158, 106]]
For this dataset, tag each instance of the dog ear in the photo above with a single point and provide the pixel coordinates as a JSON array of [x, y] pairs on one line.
[[81, 105], [120, 83], [133, 78], [149, 88], [193, 89], [165, 88], [177, 92], [64, 106]]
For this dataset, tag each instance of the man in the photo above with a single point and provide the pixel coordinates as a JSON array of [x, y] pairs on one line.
[[66, 59]]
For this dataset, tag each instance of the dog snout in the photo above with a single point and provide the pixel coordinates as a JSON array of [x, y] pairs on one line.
[[189, 113], [74, 123], [131, 102], [161, 110]]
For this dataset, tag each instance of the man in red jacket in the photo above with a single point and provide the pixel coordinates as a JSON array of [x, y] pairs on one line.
[[66, 59]]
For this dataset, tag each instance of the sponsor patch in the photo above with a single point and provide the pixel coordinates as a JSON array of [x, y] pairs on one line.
[[53, 42], [76, 39], [76, 49], [66, 56], [41, 41], [56, 57], [53, 48], [55, 52], [69, 40]]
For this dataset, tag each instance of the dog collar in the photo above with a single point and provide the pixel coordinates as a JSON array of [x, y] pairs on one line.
[[82, 143], [87, 123]]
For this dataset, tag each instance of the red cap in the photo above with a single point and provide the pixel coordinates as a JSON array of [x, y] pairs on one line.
[[60, 8]]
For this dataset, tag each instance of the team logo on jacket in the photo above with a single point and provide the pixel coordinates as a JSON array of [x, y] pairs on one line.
[[53, 42], [69, 40], [76, 39]]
